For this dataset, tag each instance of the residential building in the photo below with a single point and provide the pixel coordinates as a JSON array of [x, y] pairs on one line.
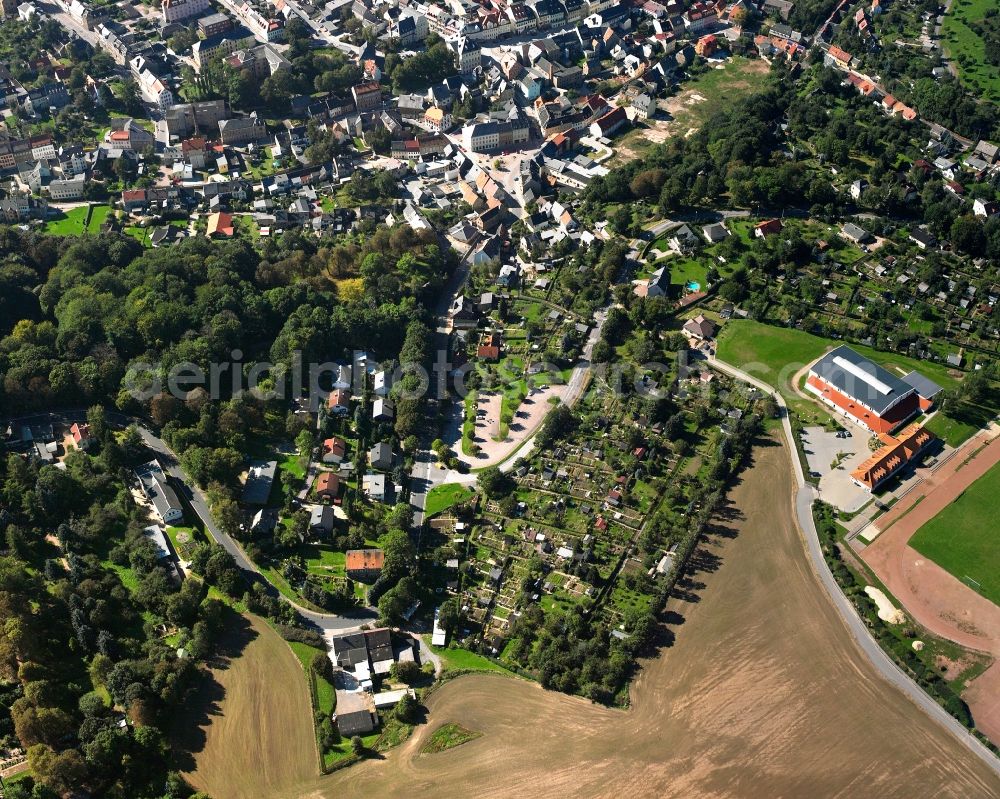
[[376, 487], [338, 403], [367, 96], [260, 479], [609, 123], [380, 456], [63, 189], [242, 131], [321, 519], [154, 485], [172, 11], [214, 24], [220, 45], [326, 486], [22, 208], [699, 328], [333, 450], [382, 410], [265, 28], [644, 106], [154, 90], [715, 232], [767, 228], [855, 234], [128, 134], [364, 564], [220, 225], [437, 119]]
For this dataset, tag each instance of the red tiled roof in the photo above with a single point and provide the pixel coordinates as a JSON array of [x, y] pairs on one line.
[[895, 452], [327, 483], [770, 226], [364, 560]]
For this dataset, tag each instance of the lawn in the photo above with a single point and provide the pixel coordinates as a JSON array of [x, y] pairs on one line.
[[964, 538], [775, 354], [322, 559], [968, 48], [713, 90], [443, 497], [292, 463], [961, 423], [687, 270], [98, 213], [464, 660], [77, 221], [448, 736], [71, 223]]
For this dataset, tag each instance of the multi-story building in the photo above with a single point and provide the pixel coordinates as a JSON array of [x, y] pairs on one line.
[[42, 147], [437, 119], [522, 17], [485, 137], [261, 61], [21, 208], [184, 119], [176, 10], [127, 134], [366, 96], [411, 27], [242, 131], [269, 29], [154, 90], [214, 24], [63, 189], [468, 55], [221, 45]]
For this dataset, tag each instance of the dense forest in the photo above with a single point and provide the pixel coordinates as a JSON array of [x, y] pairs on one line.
[[76, 314], [100, 643]]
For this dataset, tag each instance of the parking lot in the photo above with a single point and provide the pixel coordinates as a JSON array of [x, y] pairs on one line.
[[833, 457]]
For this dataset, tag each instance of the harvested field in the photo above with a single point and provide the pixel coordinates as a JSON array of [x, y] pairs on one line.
[[763, 693], [250, 728]]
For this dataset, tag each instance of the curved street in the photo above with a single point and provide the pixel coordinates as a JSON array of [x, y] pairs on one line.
[[804, 497], [327, 622]]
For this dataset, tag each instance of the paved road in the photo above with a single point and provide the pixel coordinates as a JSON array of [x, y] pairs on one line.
[[804, 498], [327, 622]]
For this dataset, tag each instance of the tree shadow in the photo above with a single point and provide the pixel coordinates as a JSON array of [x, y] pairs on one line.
[[204, 703]]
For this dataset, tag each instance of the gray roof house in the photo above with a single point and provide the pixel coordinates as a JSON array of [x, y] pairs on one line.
[[260, 478], [380, 456], [155, 487]]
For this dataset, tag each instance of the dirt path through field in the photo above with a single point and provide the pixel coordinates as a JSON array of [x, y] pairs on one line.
[[250, 728], [763, 693]]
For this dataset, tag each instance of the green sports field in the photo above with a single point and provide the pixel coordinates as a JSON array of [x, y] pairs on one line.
[[964, 538]]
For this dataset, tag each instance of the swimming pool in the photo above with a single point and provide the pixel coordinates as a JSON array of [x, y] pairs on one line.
[[692, 286]]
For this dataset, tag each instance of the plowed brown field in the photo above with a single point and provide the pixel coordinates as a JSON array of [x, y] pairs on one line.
[[763, 693]]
